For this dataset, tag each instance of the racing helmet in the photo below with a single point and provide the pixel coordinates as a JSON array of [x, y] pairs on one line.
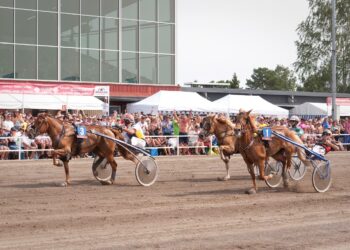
[[294, 118], [326, 132]]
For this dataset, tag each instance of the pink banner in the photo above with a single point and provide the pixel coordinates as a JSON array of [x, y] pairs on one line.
[[339, 101], [46, 89]]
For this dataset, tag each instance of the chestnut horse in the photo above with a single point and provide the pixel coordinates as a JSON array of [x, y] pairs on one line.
[[66, 144], [256, 152], [224, 133]]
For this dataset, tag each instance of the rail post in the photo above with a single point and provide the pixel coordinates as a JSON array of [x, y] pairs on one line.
[[19, 145], [211, 145], [178, 146]]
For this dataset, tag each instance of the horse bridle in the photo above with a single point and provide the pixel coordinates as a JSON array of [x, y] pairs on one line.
[[207, 126], [58, 138], [37, 128], [243, 127]]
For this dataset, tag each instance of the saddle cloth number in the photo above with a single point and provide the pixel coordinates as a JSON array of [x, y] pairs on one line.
[[81, 132], [266, 133]]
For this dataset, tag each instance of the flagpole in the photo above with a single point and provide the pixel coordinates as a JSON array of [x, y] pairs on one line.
[[334, 62]]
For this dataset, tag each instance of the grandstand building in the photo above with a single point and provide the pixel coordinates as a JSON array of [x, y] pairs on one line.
[[128, 45]]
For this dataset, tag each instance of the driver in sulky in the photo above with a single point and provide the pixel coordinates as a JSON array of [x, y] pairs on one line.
[[329, 143], [133, 133]]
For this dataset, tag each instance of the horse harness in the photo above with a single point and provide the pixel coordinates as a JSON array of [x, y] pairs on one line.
[[223, 134], [62, 134], [59, 137], [243, 131]]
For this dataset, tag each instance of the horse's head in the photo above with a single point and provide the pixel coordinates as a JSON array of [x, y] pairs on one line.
[[40, 124], [208, 126], [244, 123]]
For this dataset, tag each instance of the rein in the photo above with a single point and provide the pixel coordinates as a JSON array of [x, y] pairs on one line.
[[249, 145], [59, 137], [221, 135], [244, 131]]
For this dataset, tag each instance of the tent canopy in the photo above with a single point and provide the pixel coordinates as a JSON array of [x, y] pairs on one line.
[[168, 101], [233, 103], [81, 102], [50, 102], [9, 102], [318, 109], [310, 109]]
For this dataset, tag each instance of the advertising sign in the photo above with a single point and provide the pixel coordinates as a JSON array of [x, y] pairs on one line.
[[47, 89], [101, 91], [339, 101]]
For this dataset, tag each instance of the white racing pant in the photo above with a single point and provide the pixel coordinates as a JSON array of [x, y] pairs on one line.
[[138, 142]]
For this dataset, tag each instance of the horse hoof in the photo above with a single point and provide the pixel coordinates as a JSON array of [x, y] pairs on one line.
[[64, 184], [223, 178], [251, 191], [109, 182]]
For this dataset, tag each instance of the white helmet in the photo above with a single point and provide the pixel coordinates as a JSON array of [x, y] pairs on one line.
[[327, 132], [294, 118], [241, 110]]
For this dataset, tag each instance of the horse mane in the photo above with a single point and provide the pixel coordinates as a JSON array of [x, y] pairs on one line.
[[251, 120], [221, 120]]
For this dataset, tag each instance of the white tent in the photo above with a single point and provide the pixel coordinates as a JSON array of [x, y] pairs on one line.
[[318, 109], [233, 103], [81, 102], [49, 102], [29, 101], [311, 109], [9, 102], [168, 101]]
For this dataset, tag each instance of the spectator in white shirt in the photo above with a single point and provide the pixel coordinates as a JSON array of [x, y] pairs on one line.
[[7, 124]]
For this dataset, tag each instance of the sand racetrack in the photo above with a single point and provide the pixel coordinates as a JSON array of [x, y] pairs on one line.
[[187, 208]]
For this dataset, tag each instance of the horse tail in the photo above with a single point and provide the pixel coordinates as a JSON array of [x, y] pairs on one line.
[[300, 151]]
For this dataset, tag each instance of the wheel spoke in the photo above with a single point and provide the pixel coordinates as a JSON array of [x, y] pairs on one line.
[[321, 176]]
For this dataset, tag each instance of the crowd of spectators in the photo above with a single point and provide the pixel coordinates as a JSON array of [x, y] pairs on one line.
[[165, 133]]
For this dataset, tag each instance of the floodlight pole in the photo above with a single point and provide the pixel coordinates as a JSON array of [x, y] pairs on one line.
[[334, 62]]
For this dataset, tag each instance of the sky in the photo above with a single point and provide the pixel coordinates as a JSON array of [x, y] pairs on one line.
[[216, 38]]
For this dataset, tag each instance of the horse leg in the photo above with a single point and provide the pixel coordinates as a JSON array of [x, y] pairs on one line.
[[226, 160], [55, 155], [55, 161], [285, 176], [114, 165], [286, 166], [66, 154], [261, 164], [251, 171], [66, 170]]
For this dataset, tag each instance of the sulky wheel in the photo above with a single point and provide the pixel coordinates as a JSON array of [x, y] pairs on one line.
[[146, 171], [275, 168], [297, 170], [321, 176], [101, 169]]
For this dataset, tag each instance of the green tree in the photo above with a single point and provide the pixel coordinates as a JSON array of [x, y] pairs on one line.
[[314, 45], [234, 83], [319, 82], [281, 78]]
